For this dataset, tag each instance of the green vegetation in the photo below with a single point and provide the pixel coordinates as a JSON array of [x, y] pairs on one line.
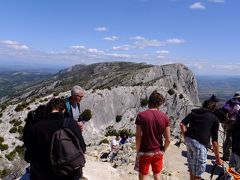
[[118, 118], [144, 102], [4, 173], [104, 141], [3, 147], [11, 155], [171, 92], [86, 115], [110, 131], [20, 150], [180, 96], [13, 130], [22, 106], [128, 132]]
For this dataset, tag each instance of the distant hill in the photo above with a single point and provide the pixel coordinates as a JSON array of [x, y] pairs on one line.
[[14, 81], [222, 86]]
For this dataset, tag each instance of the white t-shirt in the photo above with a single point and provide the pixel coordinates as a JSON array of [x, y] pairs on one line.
[[75, 112]]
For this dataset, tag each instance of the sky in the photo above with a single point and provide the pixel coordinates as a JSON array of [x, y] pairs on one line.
[[202, 34]]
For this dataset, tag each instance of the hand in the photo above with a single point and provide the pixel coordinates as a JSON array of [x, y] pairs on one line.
[[219, 161], [80, 123]]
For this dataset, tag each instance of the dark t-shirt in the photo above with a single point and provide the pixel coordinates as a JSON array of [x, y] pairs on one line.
[[153, 124], [202, 124]]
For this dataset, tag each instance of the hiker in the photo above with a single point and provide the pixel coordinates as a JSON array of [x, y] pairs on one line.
[[40, 138], [235, 157], [33, 117], [124, 138], [197, 128], [231, 108], [73, 105], [151, 126], [115, 143]]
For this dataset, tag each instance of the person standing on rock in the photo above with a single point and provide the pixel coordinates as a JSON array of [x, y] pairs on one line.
[[73, 105], [197, 128], [151, 126]]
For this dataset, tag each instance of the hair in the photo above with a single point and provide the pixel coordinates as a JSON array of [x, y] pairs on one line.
[[156, 99], [209, 104], [77, 90], [56, 103]]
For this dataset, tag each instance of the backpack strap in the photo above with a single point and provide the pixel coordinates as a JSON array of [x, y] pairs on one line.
[[68, 105], [66, 122]]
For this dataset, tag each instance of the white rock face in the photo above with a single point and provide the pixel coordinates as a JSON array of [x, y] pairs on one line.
[[124, 101]]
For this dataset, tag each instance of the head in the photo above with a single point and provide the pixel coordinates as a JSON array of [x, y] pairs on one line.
[[77, 94], [117, 137], [210, 104], [237, 95], [56, 104], [155, 100], [40, 112]]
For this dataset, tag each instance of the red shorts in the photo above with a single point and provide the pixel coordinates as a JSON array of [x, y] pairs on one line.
[[156, 162]]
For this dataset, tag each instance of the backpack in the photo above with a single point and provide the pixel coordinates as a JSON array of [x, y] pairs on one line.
[[66, 154]]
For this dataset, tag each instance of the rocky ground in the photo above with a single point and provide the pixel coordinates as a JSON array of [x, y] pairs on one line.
[[122, 167]]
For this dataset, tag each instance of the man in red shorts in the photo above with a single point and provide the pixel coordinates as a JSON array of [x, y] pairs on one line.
[[151, 126]]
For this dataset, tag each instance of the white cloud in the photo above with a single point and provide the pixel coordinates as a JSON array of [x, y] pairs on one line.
[[138, 38], [144, 43], [14, 45], [197, 6], [78, 47], [125, 47], [217, 1], [93, 50], [175, 41], [162, 52], [101, 29], [112, 38]]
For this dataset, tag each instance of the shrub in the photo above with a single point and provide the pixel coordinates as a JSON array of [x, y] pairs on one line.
[[55, 93], [1, 139], [118, 118], [144, 102], [128, 132], [20, 107], [104, 141], [3, 107], [20, 150], [17, 123], [110, 131], [131, 119], [3, 147], [86, 115], [20, 130], [171, 92], [180, 96], [11, 155], [13, 130], [4, 173], [13, 121], [1, 114]]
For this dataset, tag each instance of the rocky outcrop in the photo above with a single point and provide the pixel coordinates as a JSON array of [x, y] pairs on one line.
[[114, 92]]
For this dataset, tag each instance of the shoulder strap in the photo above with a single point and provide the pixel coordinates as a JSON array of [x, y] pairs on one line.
[[68, 105], [66, 122]]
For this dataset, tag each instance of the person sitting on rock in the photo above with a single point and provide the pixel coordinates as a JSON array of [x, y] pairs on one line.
[[115, 143]]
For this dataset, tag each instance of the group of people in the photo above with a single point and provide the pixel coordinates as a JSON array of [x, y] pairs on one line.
[[41, 124], [152, 135], [198, 128]]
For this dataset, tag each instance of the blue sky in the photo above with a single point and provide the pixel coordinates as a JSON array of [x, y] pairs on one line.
[[202, 34]]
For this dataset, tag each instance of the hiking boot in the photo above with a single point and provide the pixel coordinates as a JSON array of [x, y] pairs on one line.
[[83, 178]]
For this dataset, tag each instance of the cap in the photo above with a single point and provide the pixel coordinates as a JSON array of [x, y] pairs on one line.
[[237, 94]]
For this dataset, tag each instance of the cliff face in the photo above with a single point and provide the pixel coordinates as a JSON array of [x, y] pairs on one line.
[[113, 89], [175, 82]]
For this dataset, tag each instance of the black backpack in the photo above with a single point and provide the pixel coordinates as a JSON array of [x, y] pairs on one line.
[[66, 154]]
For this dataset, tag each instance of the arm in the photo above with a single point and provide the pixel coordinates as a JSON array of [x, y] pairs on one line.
[[183, 129], [138, 137], [216, 152], [167, 138]]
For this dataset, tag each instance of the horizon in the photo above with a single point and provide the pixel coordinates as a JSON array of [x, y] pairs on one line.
[[203, 35]]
